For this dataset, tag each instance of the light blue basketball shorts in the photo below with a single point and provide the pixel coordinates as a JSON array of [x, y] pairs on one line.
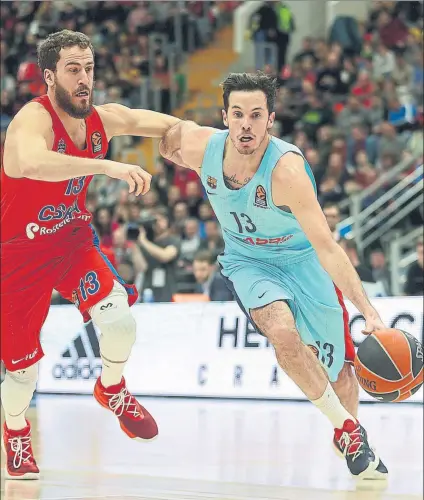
[[317, 305]]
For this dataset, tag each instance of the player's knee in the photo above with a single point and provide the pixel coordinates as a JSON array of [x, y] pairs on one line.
[[347, 379], [27, 377], [285, 340], [112, 315]]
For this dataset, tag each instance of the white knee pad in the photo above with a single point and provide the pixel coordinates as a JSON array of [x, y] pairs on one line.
[[113, 317], [27, 377], [17, 390]]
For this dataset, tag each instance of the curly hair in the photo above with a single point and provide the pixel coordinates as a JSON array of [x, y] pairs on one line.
[[48, 50]]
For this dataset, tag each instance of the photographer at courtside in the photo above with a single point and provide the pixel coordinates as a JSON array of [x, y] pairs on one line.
[[161, 250]]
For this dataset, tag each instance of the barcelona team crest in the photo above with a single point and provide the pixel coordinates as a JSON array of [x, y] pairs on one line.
[[260, 197], [211, 182], [75, 298], [96, 142]]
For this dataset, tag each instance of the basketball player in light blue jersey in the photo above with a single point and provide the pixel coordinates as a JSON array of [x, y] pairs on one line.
[[280, 259]]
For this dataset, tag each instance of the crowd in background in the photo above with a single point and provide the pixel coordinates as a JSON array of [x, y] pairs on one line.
[[353, 104]]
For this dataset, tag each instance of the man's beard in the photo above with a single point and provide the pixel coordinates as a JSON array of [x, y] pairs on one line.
[[64, 101]]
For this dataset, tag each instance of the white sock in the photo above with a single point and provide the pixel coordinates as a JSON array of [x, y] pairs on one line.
[[17, 390], [111, 372], [329, 404]]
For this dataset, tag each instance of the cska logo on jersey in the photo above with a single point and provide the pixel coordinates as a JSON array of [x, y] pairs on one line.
[[211, 182], [260, 197], [96, 142], [61, 146]]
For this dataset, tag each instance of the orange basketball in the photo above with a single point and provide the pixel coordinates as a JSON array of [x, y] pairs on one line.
[[389, 365]]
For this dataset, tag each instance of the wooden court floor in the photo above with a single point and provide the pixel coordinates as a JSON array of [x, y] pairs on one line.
[[220, 450]]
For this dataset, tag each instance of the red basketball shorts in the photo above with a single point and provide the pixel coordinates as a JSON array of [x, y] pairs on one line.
[[75, 267]]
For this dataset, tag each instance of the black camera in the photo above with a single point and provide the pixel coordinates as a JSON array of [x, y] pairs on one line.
[[133, 228], [133, 232]]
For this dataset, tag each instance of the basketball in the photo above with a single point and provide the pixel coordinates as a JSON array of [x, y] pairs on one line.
[[389, 365]]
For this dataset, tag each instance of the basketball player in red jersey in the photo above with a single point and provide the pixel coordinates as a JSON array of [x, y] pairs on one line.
[[54, 146]]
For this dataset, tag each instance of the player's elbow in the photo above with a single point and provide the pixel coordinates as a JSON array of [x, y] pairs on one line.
[[168, 255], [171, 141], [29, 166], [325, 245]]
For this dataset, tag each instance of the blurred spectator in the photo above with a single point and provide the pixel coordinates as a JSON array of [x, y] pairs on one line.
[[401, 116], [191, 239], [352, 115], [380, 270], [179, 216], [182, 176], [402, 74], [102, 221], [161, 253], [365, 172], [332, 214], [364, 272], [312, 157], [390, 143], [383, 62], [286, 26], [265, 27], [364, 89], [415, 145], [376, 112], [332, 187], [161, 181], [213, 241], [415, 278], [392, 31], [329, 78], [359, 140], [318, 114], [193, 197], [209, 280], [307, 50]]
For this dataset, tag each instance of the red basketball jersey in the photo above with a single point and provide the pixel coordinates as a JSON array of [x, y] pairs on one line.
[[41, 213]]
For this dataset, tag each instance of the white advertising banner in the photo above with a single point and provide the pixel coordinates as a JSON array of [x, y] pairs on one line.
[[197, 349]]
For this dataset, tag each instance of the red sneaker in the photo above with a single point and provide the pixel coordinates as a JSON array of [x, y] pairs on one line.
[[20, 459], [134, 419]]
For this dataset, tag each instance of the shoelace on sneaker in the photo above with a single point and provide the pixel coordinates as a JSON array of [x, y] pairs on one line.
[[22, 448], [123, 402], [351, 443]]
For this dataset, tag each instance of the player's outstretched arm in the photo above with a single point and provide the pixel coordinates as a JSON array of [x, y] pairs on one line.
[[120, 120], [291, 186], [185, 144], [28, 154]]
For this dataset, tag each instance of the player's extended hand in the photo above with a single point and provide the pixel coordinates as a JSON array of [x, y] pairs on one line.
[[373, 323], [138, 179]]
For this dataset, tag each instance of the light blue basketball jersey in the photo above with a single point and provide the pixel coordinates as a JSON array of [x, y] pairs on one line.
[[252, 225], [268, 257]]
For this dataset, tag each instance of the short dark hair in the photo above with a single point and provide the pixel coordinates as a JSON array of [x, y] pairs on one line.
[[48, 50], [249, 82], [205, 256], [162, 212], [330, 204], [349, 244]]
